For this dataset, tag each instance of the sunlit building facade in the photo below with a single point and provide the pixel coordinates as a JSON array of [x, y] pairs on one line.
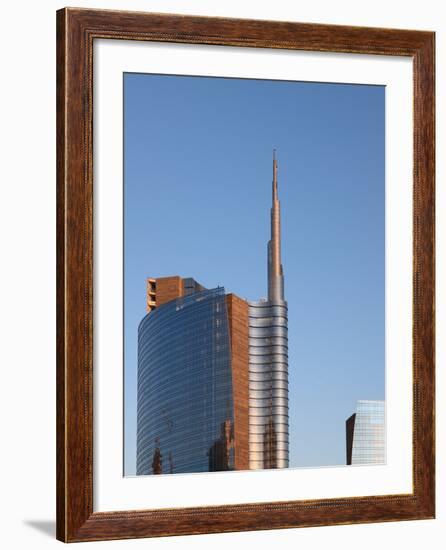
[[365, 434]]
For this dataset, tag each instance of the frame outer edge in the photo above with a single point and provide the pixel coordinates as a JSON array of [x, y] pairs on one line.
[[75, 518], [424, 263], [60, 277], [74, 282]]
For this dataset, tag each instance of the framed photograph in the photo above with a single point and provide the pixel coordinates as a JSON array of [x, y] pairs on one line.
[[245, 275]]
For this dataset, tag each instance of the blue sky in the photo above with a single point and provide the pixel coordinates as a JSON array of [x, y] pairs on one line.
[[197, 193]]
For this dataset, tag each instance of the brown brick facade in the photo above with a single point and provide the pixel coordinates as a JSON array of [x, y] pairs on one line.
[[162, 290], [238, 333], [168, 289]]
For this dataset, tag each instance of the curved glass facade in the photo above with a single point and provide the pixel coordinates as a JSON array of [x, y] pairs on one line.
[[185, 404], [268, 385]]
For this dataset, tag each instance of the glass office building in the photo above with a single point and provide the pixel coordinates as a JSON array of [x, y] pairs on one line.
[[185, 404], [365, 434]]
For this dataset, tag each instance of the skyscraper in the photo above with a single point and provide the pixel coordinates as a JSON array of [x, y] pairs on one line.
[[213, 374], [192, 410], [268, 359], [365, 434]]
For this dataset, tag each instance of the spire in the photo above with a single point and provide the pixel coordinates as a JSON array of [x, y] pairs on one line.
[[275, 195], [275, 272]]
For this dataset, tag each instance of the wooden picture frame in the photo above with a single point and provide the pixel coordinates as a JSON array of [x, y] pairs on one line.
[[76, 31]]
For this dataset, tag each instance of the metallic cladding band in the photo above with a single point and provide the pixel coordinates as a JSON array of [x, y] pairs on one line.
[[268, 385]]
